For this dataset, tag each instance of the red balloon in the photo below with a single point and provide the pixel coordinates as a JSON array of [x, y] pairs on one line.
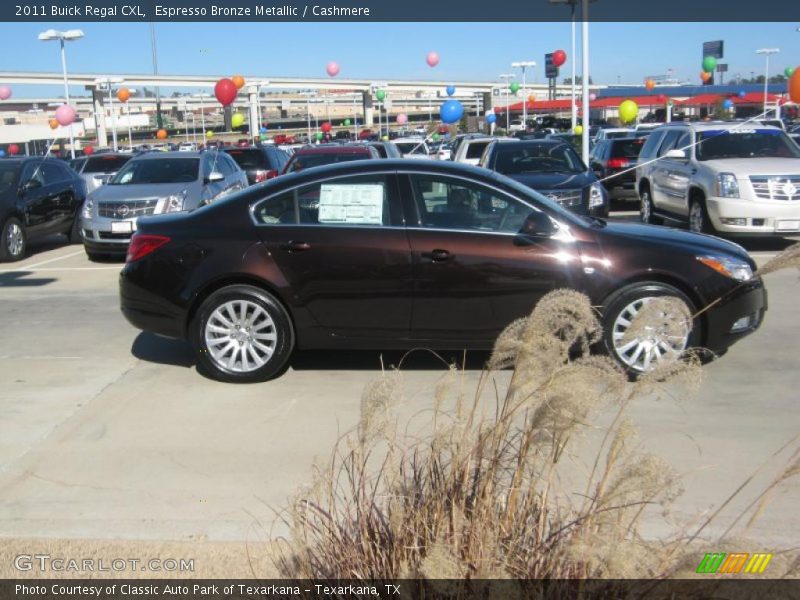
[[13, 149], [326, 127], [559, 58], [88, 151], [225, 91]]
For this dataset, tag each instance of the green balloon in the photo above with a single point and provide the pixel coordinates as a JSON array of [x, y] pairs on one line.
[[380, 95], [709, 64], [788, 71], [263, 137], [514, 87], [347, 122], [435, 137], [318, 136]]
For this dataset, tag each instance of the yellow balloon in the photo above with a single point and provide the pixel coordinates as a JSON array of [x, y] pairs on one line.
[[209, 134], [237, 120], [628, 111], [578, 130]]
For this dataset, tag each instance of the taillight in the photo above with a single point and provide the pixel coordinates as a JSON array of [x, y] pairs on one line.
[[261, 176], [272, 174], [143, 244], [618, 163]]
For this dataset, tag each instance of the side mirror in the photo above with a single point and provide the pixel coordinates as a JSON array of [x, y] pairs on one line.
[[214, 177], [538, 224], [29, 186], [676, 154]]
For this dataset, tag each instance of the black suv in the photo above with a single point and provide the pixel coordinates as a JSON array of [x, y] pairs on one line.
[[614, 161], [37, 197], [259, 162]]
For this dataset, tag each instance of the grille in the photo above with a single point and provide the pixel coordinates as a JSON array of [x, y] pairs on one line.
[[565, 197], [777, 187], [127, 209], [106, 235]]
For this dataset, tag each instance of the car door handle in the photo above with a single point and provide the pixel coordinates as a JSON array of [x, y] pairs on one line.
[[296, 246], [437, 255]]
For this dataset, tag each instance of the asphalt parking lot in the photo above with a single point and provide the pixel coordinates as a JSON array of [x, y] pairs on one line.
[[110, 433]]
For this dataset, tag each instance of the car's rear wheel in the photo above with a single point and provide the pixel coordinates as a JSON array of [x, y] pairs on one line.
[[242, 334], [646, 209], [13, 240], [667, 334]]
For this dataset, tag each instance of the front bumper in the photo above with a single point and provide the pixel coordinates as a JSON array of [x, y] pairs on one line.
[[100, 236], [760, 217], [738, 314]]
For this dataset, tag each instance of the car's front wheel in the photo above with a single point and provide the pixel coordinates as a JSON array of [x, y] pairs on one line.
[[698, 217], [242, 334], [13, 240], [661, 334]]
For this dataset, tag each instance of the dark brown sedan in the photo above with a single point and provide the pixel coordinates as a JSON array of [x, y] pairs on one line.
[[396, 254]]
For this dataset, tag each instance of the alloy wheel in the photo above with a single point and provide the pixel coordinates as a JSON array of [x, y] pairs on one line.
[[645, 209], [14, 239], [240, 336], [696, 218]]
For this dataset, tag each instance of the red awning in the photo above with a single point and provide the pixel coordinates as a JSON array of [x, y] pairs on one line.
[[564, 103], [708, 99]]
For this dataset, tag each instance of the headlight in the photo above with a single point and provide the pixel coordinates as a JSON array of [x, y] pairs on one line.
[[173, 203], [730, 267], [595, 195], [88, 208], [727, 185]]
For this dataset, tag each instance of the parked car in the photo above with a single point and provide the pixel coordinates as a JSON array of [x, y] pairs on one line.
[[441, 149], [187, 147], [386, 149], [259, 162], [401, 254], [98, 170], [611, 133], [315, 156], [469, 150], [413, 147], [551, 168], [721, 177], [365, 134], [154, 183], [38, 197], [517, 125], [614, 161]]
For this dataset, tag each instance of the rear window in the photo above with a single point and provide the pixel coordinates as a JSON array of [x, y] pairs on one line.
[[411, 147], [475, 149], [307, 161], [627, 148], [105, 163], [248, 158]]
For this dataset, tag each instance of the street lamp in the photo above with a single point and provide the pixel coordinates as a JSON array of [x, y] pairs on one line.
[[108, 82], [70, 35], [523, 65], [767, 52], [507, 77]]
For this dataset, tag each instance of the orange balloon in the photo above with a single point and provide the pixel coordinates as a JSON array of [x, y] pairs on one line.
[[649, 84], [238, 81], [123, 94], [531, 99], [53, 124], [161, 134], [794, 85], [705, 76]]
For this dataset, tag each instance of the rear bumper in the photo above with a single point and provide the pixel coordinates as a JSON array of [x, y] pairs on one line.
[[737, 315], [147, 311]]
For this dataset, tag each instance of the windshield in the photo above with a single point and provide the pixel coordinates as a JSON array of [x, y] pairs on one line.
[[158, 170], [517, 159], [745, 143], [8, 175], [307, 161], [105, 164], [411, 147]]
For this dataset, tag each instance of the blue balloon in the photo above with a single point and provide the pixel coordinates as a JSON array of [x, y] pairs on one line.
[[263, 130], [451, 111], [2, 153], [451, 89], [742, 94], [727, 104], [491, 118]]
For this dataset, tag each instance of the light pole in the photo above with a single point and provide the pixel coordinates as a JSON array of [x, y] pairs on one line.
[[108, 82], [506, 77], [202, 95], [573, 61], [767, 52], [64, 36], [523, 65], [585, 81]]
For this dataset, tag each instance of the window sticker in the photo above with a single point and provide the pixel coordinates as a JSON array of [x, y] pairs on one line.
[[351, 204]]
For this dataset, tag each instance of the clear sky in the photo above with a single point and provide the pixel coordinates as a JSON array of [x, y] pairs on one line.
[[469, 51]]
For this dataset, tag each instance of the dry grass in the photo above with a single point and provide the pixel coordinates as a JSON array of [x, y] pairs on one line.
[[478, 490]]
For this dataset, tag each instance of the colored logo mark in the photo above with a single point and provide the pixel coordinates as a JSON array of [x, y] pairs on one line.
[[737, 562]]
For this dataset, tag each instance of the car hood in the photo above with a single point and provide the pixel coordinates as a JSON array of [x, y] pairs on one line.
[[132, 192], [744, 167], [552, 181], [686, 241]]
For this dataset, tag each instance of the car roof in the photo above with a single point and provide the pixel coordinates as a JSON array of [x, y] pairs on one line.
[[332, 149], [168, 154], [409, 140]]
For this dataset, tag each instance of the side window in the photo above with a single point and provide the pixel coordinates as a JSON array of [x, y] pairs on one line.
[[651, 145], [33, 171], [669, 141], [224, 165], [684, 140], [447, 203], [207, 165], [349, 201]]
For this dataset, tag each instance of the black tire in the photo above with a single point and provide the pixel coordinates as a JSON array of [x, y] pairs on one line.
[[13, 240], [75, 235], [281, 327], [698, 216], [617, 303], [646, 208]]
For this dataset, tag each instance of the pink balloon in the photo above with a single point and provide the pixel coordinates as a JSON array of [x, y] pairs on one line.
[[65, 115], [332, 69], [432, 59], [592, 96], [5, 92], [402, 119]]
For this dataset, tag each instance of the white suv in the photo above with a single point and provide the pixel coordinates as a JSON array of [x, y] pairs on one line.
[[721, 177]]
